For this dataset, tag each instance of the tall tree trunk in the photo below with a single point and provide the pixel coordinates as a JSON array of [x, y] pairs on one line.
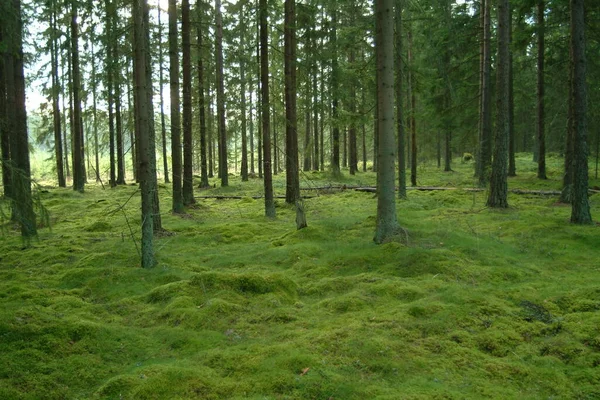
[[399, 108], [335, 151], [498, 194], [201, 99], [580, 206], [143, 112], [95, 117], [352, 148], [413, 106], [163, 125], [512, 168], [387, 222], [132, 124], [188, 172], [78, 159], [110, 83], [244, 166], [485, 134], [19, 146], [58, 145], [292, 192], [175, 109], [541, 140], [259, 97], [264, 80], [63, 95], [4, 127], [315, 111], [223, 169], [210, 140]]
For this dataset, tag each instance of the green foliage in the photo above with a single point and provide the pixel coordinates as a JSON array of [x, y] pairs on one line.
[[477, 304]]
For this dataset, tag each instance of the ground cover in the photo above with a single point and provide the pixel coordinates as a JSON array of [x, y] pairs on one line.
[[477, 303]]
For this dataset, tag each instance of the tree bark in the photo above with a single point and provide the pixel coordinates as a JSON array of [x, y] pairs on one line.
[[163, 125], [292, 187], [387, 222], [223, 168], [485, 134], [580, 206], [264, 79], [188, 173], [335, 156], [498, 194], [78, 159], [244, 167], [541, 142], [58, 146], [413, 122], [175, 109], [201, 99]]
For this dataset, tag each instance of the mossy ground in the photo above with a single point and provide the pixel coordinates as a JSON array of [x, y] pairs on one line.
[[478, 303]]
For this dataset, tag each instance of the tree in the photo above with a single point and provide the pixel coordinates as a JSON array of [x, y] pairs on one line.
[[399, 108], [292, 187], [188, 178], [484, 156], [145, 130], [242, 23], [541, 141], [223, 169], [58, 151], [387, 222], [175, 110], [14, 91], [498, 193], [266, 129], [335, 151], [77, 128], [201, 99], [580, 207], [163, 125]]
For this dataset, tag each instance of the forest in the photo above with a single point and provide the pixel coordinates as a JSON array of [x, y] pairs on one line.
[[317, 199]]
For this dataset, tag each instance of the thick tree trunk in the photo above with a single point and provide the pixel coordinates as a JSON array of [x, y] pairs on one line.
[[143, 113], [580, 206], [4, 126], [175, 109], [387, 222], [188, 172], [498, 194], [264, 79]]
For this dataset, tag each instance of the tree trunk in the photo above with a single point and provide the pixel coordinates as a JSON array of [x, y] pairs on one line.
[[201, 99], [175, 109], [498, 194], [110, 78], [78, 159], [19, 146], [264, 79], [243, 107], [413, 122], [387, 222], [95, 117], [512, 168], [352, 148], [485, 133], [292, 192], [541, 140], [143, 113], [4, 125], [580, 206], [58, 145], [223, 169], [163, 125], [335, 151], [188, 172]]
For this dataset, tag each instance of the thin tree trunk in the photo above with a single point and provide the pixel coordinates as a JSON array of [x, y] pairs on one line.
[[223, 169], [244, 167], [485, 134], [95, 118], [292, 192], [264, 78], [413, 106], [163, 125], [201, 99], [541, 140], [188, 169], [335, 158], [512, 168], [58, 145]]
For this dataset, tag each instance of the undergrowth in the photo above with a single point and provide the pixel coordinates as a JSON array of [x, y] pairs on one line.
[[478, 303]]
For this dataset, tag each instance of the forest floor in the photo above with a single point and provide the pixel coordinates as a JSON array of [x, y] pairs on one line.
[[479, 303]]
